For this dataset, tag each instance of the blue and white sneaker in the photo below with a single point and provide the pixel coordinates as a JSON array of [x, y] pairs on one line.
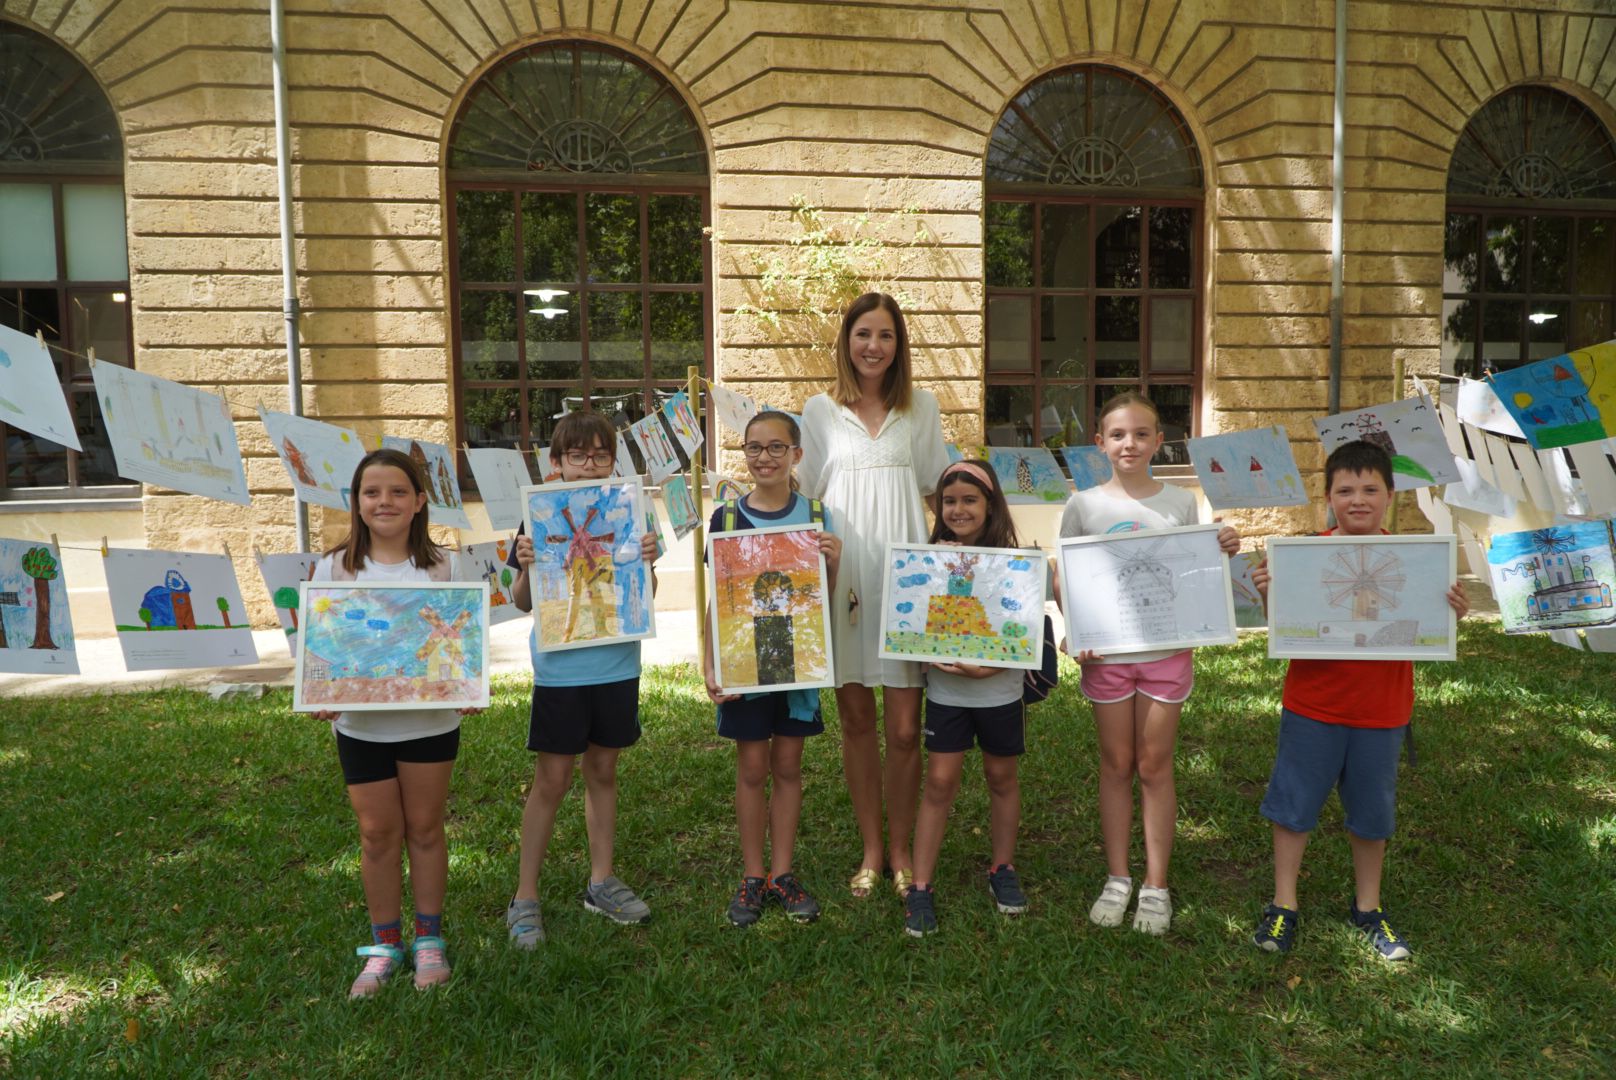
[[1387, 942]]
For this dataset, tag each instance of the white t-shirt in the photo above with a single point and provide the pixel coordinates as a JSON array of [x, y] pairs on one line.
[[393, 725]]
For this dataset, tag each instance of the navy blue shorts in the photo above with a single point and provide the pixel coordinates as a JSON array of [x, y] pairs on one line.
[[1315, 758], [762, 717], [366, 762], [999, 730], [567, 719]]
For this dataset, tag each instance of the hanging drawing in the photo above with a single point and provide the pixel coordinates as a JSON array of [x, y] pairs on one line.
[[590, 584], [31, 396], [282, 575], [171, 435], [681, 419], [437, 465], [1554, 578], [770, 610], [1476, 403], [1361, 597], [369, 645], [1249, 611], [727, 488], [36, 627], [1408, 430], [1028, 474], [1154, 589], [1088, 465], [954, 452], [733, 410], [681, 507], [177, 609], [949, 604], [501, 475], [320, 458], [1247, 468], [657, 447], [486, 563], [1564, 400]]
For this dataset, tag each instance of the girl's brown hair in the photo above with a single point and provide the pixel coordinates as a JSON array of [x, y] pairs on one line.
[[896, 388], [998, 531], [355, 548], [792, 430], [1122, 401]]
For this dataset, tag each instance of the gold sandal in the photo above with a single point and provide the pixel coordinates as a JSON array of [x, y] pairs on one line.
[[901, 880], [864, 882]]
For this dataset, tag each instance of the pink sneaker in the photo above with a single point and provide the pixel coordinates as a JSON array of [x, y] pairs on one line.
[[380, 960], [431, 962]]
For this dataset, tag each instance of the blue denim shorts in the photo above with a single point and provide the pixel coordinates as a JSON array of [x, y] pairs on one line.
[[1314, 758]]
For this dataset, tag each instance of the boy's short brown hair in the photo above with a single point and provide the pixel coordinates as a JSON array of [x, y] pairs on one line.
[[580, 430], [1360, 457]]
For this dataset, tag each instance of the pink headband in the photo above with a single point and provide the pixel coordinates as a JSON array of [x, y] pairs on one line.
[[976, 470]]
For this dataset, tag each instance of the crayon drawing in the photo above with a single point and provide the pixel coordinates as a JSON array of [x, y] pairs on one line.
[[36, 628], [1028, 474], [727, 488], [501, 475], [733, 410], [31, 391], [1554, 578], [590, 584], [486, 562], [1361, 597], [1088, 465], [437, 465], [680, 506], [319, 457], [1563, 400], [1154, 589], [168, 434], [282, 575], [682, 420], [771, 610], [1249, 612], [657, 447], [1408, 430], [1248, 468], [368, 645], [177, 609], [979, 605]]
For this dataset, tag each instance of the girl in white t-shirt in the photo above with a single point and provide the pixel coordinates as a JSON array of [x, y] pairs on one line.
[[396, 763], [1137, 697]]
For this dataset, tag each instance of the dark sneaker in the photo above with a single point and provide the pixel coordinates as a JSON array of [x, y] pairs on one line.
[[793, 899], [919, 916], [1277, 932], [1006, 889], [617, 902], [747, 907], [1387, 942]]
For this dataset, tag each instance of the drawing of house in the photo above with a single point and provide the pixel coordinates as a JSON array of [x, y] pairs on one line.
[[170, 602], [316, 668], [1259, 478], [1560, 585]]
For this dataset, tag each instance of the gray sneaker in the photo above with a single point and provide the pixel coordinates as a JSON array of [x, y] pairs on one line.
[[617, 902], [525, 926]]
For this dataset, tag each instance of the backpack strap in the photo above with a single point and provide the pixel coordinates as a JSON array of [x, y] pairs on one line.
[[816, 512], [731, 515]]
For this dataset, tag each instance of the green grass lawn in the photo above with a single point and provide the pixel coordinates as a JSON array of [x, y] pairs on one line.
[[179, 896]]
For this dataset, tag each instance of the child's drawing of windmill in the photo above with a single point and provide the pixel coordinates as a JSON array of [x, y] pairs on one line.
[[591, 576], [1364, 582]]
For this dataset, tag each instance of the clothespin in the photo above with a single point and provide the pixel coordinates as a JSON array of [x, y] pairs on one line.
[[104, 552], [258, 556], [379, 438], [54, 544], [90, 356], [39, 336], [226, 549]]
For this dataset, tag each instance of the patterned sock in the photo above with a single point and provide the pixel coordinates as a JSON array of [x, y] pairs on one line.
[[387, 933], [428, 925]]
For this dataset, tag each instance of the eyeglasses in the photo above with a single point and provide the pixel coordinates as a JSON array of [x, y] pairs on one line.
[[584, 457], [774, 449]]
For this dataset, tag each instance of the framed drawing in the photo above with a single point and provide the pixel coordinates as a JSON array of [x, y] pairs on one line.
[[368, 645], [1361, 597], [770, 610], [590, 584], [1554, 578], [1154, 589], [942, 603]]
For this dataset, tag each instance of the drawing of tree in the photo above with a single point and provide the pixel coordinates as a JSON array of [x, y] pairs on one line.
[[505, 578], [286, 597], [224, 610], [145, 616], [39, 564]]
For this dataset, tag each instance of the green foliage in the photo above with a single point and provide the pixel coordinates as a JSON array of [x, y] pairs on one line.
[[39, 564], [286, 597]]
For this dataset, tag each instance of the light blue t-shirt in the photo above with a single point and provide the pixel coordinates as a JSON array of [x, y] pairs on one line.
[[591, 665]]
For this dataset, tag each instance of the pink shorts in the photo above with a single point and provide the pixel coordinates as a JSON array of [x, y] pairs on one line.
[[1168, 680]]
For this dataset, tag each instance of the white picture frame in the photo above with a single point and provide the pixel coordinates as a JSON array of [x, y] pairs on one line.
[[998, 589], [785, 550], [619, 501], [1142, 591]]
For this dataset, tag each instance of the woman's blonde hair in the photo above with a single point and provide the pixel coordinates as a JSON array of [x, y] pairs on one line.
[[897, 386]]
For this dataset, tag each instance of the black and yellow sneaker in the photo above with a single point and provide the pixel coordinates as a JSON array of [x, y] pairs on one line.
[[1277, 931], [747, 907], [785, 890], [1387, 942], [919, 914]]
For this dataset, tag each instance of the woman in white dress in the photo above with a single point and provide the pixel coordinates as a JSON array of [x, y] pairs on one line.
[[872, 447]]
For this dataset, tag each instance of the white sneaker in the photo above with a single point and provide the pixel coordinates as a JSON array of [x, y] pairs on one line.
[[1154, 912], [1112, 905]]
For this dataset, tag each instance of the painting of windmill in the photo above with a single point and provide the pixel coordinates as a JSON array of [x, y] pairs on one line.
[[1365, 582], [590, 584], [1555, 578], [1028, 474]]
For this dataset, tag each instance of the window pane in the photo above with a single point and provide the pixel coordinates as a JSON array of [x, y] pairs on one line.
[[1501, 334], [101, 323], [1596, 256], [1009, 245], [615, 350], [544, 407], [1176, 407], [1009, 333], [554, 349], [549, 238], [1116, 247], [1172, 247], [678, 334], [1592, 325], [487, 335], [1060, 421], [487, 247], [613, 226], [97, 243], [1065, 251], [1461, 246], [96, 463], [1551, 254], [1548, 322], [1063, 333], [493, 416], [1459, 336], [1503, 261], [32, 461], [32, 311], [674, 225], [1116, 337], [28, 223], [1007, 415], [1171, 347]]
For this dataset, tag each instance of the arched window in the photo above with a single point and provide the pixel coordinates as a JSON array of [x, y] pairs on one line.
[[578, 195], [1093, 258], [64, 261], [1529, 261]]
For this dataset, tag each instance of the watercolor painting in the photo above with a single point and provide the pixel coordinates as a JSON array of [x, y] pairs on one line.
[[1361, 597], [1028, 474], [590, 584], [437, 465], [978, 605], [31, 397], [1408, 430], [501, 475], [1154, 589], [177, 609], [1088, 465], [770, 610], [676, 411], [36, 627], [733, 410], [1249, 612], [1247, 468], [1564, 400], [486, 563], [171, 435], [1554, 578], [680, 506], [369, 645], [282, 575], [319, 457]]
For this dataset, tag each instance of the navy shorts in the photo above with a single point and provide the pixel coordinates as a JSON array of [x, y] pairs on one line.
[[366, 762], [999, 730], [567, 719], [763, 717], [1314, 758]]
